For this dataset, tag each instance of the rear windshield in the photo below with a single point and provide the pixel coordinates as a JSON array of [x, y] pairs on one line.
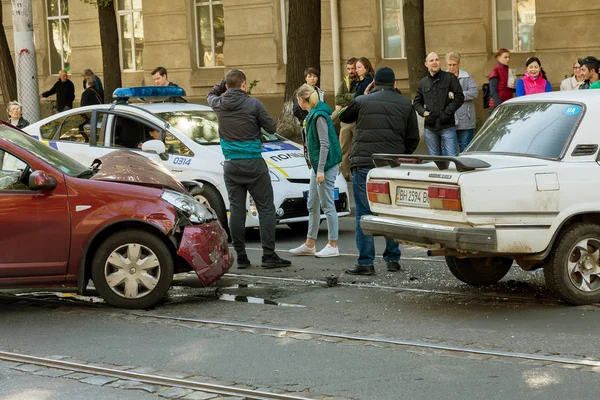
[[533, 129], [201, 126]]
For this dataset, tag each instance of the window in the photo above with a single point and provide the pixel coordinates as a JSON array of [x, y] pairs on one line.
[[131, 34], [200, 126], [59, 35], [131, 133], [49, 129], [392, 23], [515, 20], [533, 129], [77, 128], [11, 169], [175, 146], [210, 33], [285, 16]]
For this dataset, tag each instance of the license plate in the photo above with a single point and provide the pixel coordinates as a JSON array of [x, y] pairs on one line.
[[336, 194], [412, 197]]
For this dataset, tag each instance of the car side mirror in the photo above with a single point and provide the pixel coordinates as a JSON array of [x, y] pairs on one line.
[[154, 146], [39, 180]]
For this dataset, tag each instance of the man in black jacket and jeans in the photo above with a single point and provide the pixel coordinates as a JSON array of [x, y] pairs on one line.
[[438, 97], [64, 90], [385, 123], [240, 119]]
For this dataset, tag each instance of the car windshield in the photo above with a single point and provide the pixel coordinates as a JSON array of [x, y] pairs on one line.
[[56, 159], [201, 126], [537, 129]]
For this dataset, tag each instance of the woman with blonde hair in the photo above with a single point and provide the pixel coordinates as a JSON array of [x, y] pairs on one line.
[[15, 115], [323, 156]]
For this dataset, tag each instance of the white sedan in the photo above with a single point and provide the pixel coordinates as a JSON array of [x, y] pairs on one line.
[[527, 189], [190, 134]]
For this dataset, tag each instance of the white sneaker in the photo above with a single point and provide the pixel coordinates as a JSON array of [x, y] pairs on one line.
[[328, 251], [303, 250]]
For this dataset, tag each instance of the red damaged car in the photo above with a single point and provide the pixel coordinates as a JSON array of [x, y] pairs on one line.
[[126, 223]]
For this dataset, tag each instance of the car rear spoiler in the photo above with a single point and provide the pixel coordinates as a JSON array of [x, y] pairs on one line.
[[462, 164]]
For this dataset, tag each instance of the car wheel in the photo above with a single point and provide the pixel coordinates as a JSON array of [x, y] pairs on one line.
[[479, 271], [573, 267], [132, 269], [211, 198]]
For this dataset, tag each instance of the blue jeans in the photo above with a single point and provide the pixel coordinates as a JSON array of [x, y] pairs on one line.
[[464, 137], [321, 197], [441, 142], [366, 244]]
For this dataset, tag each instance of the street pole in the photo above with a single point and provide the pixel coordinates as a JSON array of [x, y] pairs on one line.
[[335, 42], [25, 62]]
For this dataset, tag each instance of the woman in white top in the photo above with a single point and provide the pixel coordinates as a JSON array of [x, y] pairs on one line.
[[575, 80]]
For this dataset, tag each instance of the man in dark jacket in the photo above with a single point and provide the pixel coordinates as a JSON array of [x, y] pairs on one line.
[[240, 120], [64, 90], [438, 97], [385, 123], [90, 95]]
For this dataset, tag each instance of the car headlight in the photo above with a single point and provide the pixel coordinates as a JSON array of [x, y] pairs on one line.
[[189, 206], [274, 178]]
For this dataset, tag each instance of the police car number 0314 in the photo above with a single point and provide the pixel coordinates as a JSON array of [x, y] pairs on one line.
[[182, 161], [412, 196]]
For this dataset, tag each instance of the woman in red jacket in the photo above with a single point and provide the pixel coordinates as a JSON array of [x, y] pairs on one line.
[[500, 88]]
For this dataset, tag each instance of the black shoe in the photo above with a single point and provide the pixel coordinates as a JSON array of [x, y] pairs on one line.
[[274, 261], [243, 262], [361, 270], [393, 266]]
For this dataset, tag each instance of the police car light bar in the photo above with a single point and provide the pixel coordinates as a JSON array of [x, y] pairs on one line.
[[148, 93]]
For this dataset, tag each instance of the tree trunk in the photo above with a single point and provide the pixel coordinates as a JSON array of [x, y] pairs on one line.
[[8, 80], [414, 28], [109, 37], [303, 43]]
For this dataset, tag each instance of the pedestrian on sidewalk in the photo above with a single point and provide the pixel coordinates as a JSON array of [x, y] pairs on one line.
[[365, 71], [465, 115], [90, 95], [502, 87], [64, 90], [535, 80], [590, 66], [385, 123], [15, 115], [88, 73], [574, 81], [323, 156], [311, 77], [439, 96], [343, 97], [240, 120]]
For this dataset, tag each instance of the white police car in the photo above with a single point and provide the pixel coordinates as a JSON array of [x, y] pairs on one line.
[[187, 145]]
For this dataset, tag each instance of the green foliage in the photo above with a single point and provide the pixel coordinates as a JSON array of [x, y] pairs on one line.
[[252, 85], [100, 3]]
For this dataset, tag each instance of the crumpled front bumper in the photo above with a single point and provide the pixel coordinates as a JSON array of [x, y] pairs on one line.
[[205, 248]]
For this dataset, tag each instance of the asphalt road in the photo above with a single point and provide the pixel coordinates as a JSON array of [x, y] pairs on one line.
[[421, 304]]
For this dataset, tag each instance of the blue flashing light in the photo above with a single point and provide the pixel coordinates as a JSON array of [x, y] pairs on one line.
[[148, 93]]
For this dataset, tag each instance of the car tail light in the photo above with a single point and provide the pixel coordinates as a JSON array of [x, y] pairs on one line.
[[379, 192], [444, 198]]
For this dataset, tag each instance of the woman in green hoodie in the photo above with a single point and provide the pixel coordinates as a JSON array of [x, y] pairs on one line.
[[323, 155]]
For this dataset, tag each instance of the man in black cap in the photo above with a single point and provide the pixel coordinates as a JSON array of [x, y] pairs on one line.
[[589, 70], [385, 123]]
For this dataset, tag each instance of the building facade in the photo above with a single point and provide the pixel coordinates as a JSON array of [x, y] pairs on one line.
[[199, 40]]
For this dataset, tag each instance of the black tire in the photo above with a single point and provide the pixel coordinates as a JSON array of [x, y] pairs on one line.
[[149, 246], [479, 271], [556, 268], [211, 198]]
